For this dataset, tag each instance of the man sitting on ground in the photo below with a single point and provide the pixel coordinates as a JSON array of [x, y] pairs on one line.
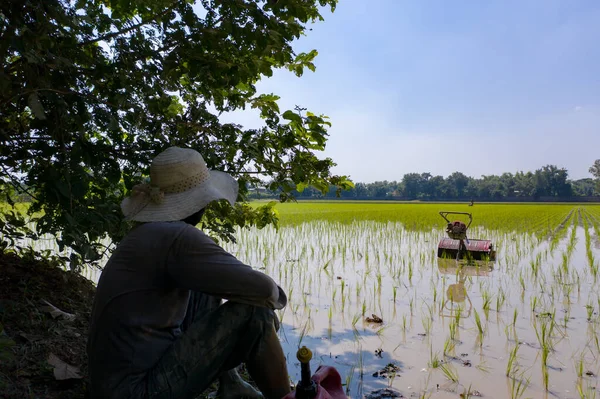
[[158, 328]]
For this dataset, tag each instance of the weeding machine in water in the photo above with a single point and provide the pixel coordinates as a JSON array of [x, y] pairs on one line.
[[458, 246]]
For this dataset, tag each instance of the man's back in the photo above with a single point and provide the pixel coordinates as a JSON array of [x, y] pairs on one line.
[[143, 294], [138, 309]]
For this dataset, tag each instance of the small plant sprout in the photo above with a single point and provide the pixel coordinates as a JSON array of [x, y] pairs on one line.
[[449, 372], [480, 330], [512, 365]]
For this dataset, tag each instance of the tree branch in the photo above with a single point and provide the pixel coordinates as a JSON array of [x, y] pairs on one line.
[[16, 184], [130, 28]]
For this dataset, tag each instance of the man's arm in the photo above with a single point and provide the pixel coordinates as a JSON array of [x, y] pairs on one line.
[[197, 263]]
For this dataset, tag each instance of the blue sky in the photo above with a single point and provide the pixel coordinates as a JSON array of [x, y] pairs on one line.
[[438, 86]]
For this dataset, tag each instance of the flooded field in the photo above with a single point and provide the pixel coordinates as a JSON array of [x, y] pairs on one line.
[[371, 298], [368, 295]]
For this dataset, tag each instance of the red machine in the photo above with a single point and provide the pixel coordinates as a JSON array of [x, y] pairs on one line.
[[326, 383], [458, 246]]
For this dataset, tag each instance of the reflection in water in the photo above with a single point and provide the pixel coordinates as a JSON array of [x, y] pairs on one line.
[[454, 304]]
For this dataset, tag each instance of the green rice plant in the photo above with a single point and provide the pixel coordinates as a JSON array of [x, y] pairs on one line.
[[467, 393], [480, 330], [394, 289], [380, 330], [591, 391], [449, 346], [355, 320], [544, 336], [483, 367], [449, 372], [518, 385], [453, 326], [349, 378], [427, 323], [500, 299], [434, 359], [534, 303], [590, 311], [303, 334], [511, 365], [579, 365], [487, 300], [523, 285], [534, 268], [457, 316]]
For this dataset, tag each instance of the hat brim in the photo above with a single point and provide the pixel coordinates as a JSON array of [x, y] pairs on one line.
[[178, 206]]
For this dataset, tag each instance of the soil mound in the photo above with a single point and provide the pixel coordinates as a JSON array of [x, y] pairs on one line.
[[44, 319]]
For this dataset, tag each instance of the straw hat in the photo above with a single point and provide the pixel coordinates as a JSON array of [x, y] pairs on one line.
[[180, 185]]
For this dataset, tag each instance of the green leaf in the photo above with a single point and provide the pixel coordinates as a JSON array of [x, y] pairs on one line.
[[301, 186], [292, 116]]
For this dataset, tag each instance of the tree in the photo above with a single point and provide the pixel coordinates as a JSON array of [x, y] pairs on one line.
[[412, 184], [92, 90], [595, 169], [459, 181], [584, 187]]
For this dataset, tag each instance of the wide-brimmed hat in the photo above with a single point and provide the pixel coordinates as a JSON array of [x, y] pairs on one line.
[[180, 185]]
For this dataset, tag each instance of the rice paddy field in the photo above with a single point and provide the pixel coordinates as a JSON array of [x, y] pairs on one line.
[[369, 296]]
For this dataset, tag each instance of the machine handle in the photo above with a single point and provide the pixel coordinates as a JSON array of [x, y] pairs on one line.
[[304, 355], [444, 214], [306, 388]]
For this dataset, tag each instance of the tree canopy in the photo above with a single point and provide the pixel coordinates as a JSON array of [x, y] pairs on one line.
[[549, 182], [92, 90]]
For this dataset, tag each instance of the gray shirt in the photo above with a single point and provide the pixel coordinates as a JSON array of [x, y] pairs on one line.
[[143, 293]]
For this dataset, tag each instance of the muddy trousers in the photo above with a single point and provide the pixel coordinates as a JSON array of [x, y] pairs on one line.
[[216, 338]]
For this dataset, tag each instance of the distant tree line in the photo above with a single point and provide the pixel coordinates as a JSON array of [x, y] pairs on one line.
[[547, 183]]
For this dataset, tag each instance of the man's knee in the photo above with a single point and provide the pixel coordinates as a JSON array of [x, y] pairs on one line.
[[268, 316], [258, 314]]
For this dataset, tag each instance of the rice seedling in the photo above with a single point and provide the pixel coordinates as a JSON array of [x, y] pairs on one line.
[[590, 311], [518, 385], [480, 330], [487, 300], [449, 372], [512, 365], [579, 365], [434, 359], [449, 346], [349, 378], [453, 326]]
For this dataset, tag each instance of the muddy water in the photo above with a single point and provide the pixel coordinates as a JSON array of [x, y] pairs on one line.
[[317, 262]]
